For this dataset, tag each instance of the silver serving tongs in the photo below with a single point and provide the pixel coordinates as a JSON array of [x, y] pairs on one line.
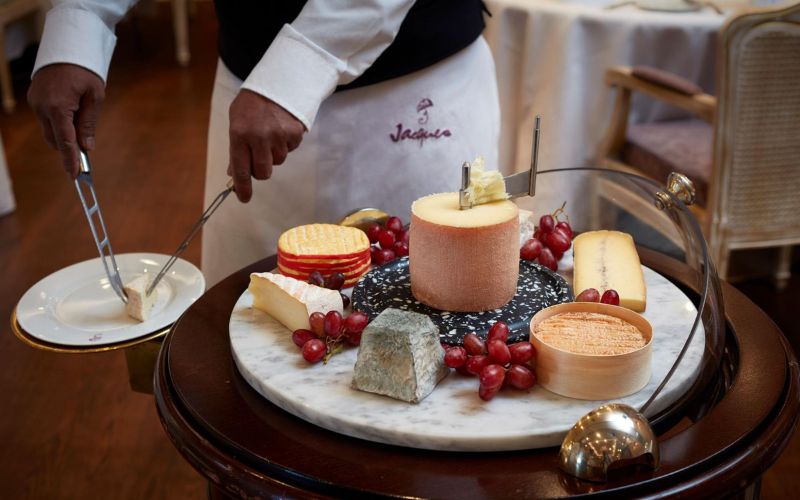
[[520, 184], [192, 232], [103, 244]]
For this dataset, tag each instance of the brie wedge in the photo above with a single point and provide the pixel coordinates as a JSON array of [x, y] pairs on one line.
[[291, 301]]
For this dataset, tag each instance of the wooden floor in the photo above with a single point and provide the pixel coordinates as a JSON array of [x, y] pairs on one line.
[[70, 425]]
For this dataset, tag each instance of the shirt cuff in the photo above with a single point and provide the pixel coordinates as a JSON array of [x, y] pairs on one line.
[[77, 37], [296, 74]]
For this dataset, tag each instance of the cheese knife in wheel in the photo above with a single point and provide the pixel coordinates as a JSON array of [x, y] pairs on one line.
[[519, 184]]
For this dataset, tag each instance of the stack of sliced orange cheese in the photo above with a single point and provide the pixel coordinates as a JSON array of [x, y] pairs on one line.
[[326, 248]]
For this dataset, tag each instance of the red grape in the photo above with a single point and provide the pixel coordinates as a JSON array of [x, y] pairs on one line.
[[353, 338], [547, 259], [301, 336], [373, 232], [335, 281], [521, 377], [537, 235], [316, 278], [455, 357], [384, 256], [394, 224], [498, 352], [557, 255], [546, 223], [530, 249], [317, 322], [333, 324], [499, 330], [565, 227], [403, 236], [474, 345], [492, 376], [356, 322], [345, 300], [610, 297], [521, 352], [486, 394], [557, 241], [386, 239], [314, 350], [400, 248], [374, 251], [475, 364], [588, 295]]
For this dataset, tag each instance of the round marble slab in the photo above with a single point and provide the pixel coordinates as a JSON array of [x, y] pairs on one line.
[[453, 417], [390, 286]]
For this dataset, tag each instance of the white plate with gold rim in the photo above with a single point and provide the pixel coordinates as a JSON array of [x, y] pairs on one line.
[[76, 306]]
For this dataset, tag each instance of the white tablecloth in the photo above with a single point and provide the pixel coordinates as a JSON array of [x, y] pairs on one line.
[[551, 57], [6, 195]]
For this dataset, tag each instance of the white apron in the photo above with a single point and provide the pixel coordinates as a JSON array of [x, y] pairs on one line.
[[381, 146]]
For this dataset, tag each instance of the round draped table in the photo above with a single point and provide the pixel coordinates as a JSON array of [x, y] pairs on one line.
[[551, 57], [721, 439]]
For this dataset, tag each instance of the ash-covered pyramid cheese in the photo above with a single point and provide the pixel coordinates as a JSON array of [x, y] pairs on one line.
[[291, 301], [140, 305], [400, 356]]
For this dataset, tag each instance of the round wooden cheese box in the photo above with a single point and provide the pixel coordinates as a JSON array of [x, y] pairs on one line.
[[591, 376]]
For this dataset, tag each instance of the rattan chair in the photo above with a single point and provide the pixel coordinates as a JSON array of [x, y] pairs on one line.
[[743, 148]]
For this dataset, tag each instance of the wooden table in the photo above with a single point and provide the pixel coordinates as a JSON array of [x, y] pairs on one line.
[[248, 448]]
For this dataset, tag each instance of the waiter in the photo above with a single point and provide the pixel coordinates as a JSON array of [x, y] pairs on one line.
[[374, 103]]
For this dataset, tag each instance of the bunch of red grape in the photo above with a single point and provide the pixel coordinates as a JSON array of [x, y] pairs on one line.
[[329, 332], [610, 296], [549, 242], [333, 281], [494, 362], [388, 242]]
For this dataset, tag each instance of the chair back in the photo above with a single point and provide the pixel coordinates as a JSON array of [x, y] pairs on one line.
[[755, 186]]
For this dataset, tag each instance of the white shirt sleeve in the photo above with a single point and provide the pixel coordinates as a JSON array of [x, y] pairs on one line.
[[81, 32], [327, 45]]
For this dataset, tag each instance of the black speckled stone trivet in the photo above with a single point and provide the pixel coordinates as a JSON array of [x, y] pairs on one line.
[[390, 286]]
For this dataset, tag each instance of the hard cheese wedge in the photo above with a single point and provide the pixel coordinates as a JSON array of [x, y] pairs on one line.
[[608, 260], [291, 301], [140, 305]]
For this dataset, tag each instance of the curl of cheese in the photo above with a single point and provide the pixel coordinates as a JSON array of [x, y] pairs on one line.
[[485, 185], [463, 260]]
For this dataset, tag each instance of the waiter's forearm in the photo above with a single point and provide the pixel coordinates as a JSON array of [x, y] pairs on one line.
[[81, 32], [327, 45]]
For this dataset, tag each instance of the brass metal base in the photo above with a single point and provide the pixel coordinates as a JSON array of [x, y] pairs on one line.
[[140, 353]]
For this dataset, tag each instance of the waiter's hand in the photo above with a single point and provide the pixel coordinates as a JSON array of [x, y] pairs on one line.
[[262, 133], [67, 99]]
